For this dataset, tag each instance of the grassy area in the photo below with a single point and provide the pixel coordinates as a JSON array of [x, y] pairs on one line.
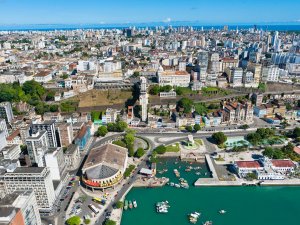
[[199, 141], [173, 148], [185, 91]]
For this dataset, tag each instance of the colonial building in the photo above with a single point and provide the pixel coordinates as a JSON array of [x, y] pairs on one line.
[[237, 113]]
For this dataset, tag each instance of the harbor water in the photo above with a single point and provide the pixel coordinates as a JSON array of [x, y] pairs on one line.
[[243, 205]]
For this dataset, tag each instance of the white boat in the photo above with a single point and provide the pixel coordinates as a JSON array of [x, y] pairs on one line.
[[172, 184], [134, 204], [177, 185], [207, 223], [222, 211]]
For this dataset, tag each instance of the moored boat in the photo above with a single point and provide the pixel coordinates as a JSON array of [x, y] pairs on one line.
[[126, 205], [130, 204], [134, 204]]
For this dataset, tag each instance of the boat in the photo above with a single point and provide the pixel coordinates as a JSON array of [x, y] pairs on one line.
[[172, 184], [177, 185], [125, 205], [134, 204], [186, 186], [162, 207], [193, 217], [130, 204], [207, 223], [222, 211], [177, 174], [198, 173]]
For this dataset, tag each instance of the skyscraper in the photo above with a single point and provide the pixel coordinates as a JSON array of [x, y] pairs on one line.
[[144, 99], [6, 112]]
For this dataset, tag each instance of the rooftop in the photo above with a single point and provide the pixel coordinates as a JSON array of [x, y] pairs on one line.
[[282, 163], [248, 164], [110, 155]]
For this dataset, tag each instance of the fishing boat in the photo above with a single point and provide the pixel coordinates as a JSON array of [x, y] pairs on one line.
[[125, 205], [222, 211], [134, 204], [130, 204], [207, 223]]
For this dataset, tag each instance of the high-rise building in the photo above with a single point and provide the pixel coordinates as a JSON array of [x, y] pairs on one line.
[[270, 73], [236, 76], [37, 179], [25, 203], [37, 146], [3, 127], [275, 38], [203, 59], [6, 112], [49, 127], [144, 99], [54, 160]]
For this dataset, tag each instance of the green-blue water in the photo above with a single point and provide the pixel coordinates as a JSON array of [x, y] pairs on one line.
[[244, 205]]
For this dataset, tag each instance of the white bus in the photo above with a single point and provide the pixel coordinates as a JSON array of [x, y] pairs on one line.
[[94, 209]]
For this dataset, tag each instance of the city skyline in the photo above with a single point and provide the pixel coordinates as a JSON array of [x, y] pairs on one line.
[[166, 12]]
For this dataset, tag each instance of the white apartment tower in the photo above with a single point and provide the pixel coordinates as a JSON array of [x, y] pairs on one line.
[[144, 98]]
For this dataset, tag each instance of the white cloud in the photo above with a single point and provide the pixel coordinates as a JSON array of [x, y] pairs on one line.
[[168, 20]]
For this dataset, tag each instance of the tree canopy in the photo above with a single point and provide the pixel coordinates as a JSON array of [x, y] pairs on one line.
[[160, 149], [186, 104], [74, 220], [102, 131], [219, 137]]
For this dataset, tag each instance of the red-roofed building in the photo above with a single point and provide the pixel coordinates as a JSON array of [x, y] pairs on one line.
[[297, 149], [245, 167], [283, 165]]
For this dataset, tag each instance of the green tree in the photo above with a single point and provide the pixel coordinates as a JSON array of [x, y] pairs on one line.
[[119, 143], [219, 137], [119, 204], [74, 220], [254, 138], [189, 128], [160, 149], [201, 109], [154, 90], [111, 127], [87, 221], [268, 152], [129, 139], [186, 104], [64, 76], [140, 152], [121, 126], [262, 87], [50, 96], [197, 127], [53, 108], [110, 222], [33, 87], [296, 132], [102, 131]]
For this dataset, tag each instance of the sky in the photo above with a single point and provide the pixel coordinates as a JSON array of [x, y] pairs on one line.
[[146, 11]]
